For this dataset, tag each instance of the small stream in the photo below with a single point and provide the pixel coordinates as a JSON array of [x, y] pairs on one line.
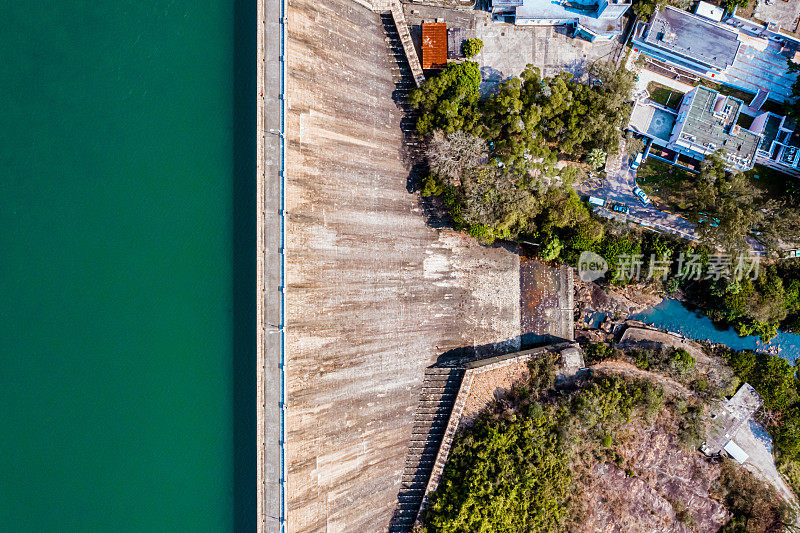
[[672, 315]]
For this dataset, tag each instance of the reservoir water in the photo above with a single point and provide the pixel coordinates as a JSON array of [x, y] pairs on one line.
[[672, 315], [119, 272]]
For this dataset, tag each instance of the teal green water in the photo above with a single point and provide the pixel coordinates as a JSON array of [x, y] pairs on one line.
[[116, 266]]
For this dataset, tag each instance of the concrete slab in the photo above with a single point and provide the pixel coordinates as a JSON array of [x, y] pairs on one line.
[[785, 14], [269, 271], [546, 305], [508, 49]]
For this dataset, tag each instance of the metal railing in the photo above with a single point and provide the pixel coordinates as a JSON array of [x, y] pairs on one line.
[[282, 364]]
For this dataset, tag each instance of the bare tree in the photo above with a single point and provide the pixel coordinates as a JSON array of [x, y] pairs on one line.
[[451, 154]]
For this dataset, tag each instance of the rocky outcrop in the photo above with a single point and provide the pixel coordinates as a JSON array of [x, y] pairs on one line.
[[660, 487], [617, 302]]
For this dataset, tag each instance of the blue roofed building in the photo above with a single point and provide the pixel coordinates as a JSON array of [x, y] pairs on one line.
[[707, 121], [591, 19], [733, 51], [780, 143]]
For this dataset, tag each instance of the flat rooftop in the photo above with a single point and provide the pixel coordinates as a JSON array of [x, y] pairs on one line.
[[583, 11], [706, 127], [651, 120], [755, 69], [693, 37]]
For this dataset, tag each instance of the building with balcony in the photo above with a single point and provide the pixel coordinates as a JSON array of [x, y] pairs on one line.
[[590, 19], [707, 121]]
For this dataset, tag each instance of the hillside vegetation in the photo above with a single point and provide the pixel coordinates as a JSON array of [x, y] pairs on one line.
[[612, 450]]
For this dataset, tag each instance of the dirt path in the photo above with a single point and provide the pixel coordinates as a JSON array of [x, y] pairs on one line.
[[619, 367]]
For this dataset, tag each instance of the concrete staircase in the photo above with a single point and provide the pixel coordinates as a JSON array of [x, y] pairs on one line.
[[405, 38], [413, 147], [439, 390], [403, 74]]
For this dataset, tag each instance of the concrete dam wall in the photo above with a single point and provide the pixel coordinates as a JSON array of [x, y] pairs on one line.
[[373, 294]]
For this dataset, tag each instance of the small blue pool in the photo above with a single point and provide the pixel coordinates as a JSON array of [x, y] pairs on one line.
[[661, 124]]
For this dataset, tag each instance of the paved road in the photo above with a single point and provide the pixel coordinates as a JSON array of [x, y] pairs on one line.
[[618, 187], [270, 268]]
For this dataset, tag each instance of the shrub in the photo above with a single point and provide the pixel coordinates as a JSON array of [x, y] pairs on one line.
[[431, 186], [672, 285], [472, 47], [682, 362], [597, 351], [692, 427], [542, 372], [641, 358], [552, 249], [754, 505]]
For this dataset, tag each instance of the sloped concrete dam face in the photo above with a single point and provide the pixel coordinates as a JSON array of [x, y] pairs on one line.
[[373, 295]]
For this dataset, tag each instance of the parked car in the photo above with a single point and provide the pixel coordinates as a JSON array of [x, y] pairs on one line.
[[620, 208], [642, 196], [636, 161], [596, 201]]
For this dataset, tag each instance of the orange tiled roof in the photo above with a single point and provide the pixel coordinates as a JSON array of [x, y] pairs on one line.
[[434, 45]]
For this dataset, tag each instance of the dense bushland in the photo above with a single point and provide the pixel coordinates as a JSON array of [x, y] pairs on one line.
[[520, 466], [511, 472]]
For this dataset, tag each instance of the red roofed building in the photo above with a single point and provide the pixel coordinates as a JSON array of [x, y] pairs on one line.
[[434, 45]]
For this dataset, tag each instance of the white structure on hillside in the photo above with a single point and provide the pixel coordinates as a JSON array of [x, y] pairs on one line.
[[590, 19]]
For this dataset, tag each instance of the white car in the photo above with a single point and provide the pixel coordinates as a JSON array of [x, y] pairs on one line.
[[642, 196], [636, 161]]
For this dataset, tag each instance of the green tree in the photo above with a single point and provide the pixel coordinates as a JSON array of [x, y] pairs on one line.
[[597, 351], [730, 5], [633, 145], [447, 101], [506, 476], [472, 47], [596, 158], [552, 248], [682, 362], [725, 206], [791, 107], [644, 9]]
